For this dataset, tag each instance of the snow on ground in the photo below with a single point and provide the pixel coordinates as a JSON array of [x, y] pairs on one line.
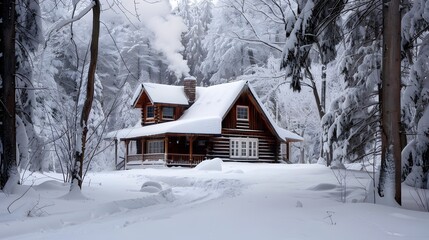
[[214, 201]]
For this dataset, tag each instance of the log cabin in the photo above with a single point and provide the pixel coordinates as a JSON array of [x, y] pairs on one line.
[[184, 125]]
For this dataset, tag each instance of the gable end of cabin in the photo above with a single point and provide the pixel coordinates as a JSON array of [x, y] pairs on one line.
[[246, 134]]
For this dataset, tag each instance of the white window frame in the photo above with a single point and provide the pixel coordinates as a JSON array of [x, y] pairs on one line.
[[155, 146], [247, 111], [244, 148]]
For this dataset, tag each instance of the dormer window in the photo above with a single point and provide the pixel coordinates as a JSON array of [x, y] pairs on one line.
[[243, 113], [167, 113], [150, 112]]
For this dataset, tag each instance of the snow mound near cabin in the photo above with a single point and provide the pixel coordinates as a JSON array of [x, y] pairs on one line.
[[74, 194], [51, 185], [151, 187], [214, 164]]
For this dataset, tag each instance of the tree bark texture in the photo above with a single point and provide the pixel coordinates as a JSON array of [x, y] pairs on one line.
[[7, 90], [315, 93], [86, 110], [390, 172]]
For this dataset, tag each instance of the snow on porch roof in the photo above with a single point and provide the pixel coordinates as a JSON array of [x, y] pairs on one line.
[[203, 117], [161, 93], [203, 126]]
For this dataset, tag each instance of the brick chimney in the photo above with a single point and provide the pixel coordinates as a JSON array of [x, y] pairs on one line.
[[189, 84]]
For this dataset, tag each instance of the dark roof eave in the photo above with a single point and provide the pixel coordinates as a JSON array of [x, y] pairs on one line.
[[176, 104], [172, 134]]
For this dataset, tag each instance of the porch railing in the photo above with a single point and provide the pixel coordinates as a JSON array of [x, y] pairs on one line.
[[153, 156], [172, 158], [183, 159], [147, 156]]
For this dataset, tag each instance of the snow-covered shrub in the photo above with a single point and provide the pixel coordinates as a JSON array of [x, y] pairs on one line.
[[214, 164]]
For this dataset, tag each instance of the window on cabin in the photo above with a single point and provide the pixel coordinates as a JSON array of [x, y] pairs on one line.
[[234, 148], [253, 149], [244, 148], [168, 113], [243, 113], [155, 146], [150, 112]]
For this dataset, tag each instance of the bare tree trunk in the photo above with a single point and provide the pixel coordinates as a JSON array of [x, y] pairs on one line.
[[252, 60], [86, 110], [7, 91], [322, 107], [390, 173], [323, 99], [320, 110]]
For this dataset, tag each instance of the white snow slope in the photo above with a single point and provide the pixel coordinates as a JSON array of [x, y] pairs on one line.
[[230, 201]]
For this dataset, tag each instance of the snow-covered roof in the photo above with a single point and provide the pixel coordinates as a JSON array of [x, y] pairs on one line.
[[161, 93], [209, 126], [205, 116], [214, 101]]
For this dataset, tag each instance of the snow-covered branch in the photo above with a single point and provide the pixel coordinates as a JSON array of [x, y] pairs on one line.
[[65, 22], [259, 41]]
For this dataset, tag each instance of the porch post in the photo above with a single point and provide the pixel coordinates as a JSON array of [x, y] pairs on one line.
[[165, 148], [127, 142], [287, 151], [191, 148]]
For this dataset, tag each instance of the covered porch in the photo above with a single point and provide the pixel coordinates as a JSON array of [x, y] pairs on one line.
[[164, 150]]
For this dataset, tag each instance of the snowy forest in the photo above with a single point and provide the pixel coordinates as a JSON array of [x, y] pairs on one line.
[[350, 77], [317, 66]]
